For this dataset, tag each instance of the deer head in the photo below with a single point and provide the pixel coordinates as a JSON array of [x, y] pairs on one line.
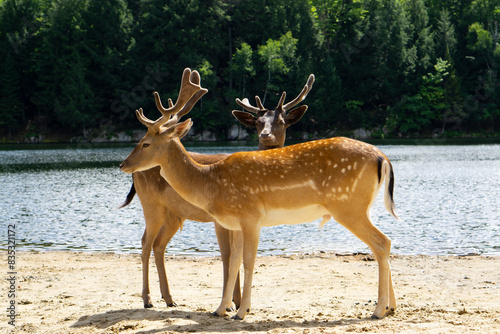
[[167, 126], [272, 124]]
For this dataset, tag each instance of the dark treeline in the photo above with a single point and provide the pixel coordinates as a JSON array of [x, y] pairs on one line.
[[397, 67]]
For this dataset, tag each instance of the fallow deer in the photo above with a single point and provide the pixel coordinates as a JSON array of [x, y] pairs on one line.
[[246, 191], [165, 211]]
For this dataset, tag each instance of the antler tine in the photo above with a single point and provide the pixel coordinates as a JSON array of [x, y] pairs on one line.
[[282, 100], [187, 107], [143, 119], [159, 105], [245, 104], [195, 77], [307, 88], [259, 103]]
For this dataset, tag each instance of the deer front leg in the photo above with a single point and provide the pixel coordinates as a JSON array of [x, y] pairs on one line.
[[224, 238], [147, 242], [250, 246], [233, 271], [167, 231]]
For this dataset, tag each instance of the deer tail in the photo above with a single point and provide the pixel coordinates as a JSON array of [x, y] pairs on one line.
[[129, 198], [388, 175]]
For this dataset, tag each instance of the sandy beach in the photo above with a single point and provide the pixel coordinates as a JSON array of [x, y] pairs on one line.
[[65, 292]]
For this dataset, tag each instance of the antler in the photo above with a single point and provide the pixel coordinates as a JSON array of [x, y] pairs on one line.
[[189, 93], [307, 88], [248, 107]]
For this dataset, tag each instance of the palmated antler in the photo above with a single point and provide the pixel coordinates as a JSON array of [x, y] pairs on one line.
[[189, 93]]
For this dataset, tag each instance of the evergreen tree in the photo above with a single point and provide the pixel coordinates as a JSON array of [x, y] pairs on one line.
[[423, 110], [64, 96], [11, 107], [107, 28], [485, 50], [446, 40], [18, 39], [326, 101], [420, 43]]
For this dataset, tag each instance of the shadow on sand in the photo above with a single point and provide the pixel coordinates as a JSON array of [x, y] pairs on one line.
[[189, 321]]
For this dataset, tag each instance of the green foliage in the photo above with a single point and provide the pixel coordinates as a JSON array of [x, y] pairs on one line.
[[10, 103], [243, 65], [414, 66], [427, 106], [278, 57], [326, 100], [355, 112], [446, 40], [479, 38]]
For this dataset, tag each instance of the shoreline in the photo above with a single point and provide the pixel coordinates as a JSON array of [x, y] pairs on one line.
[[461, 141], [76, 292]]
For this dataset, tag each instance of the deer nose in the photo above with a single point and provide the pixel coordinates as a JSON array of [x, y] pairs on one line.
[[122, 165], [265, 134]]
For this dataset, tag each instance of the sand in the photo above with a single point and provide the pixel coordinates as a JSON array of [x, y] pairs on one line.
[[65, 292]]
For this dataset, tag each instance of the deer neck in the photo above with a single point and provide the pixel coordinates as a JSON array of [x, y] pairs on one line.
[[184, 174], [263, 147]]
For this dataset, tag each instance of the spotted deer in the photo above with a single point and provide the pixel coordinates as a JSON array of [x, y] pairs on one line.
[[165, 210], [246, 191]]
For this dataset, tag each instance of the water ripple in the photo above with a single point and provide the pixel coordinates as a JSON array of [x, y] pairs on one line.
[[66, 199]]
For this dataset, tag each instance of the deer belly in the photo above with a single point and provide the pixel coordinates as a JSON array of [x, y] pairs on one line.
[[293, 216]]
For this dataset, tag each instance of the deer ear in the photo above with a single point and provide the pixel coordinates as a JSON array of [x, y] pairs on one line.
[[185, 132], [178, 130], [245, 118], [183, 128], [295, 115]]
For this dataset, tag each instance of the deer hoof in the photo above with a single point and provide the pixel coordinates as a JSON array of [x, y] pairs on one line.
[[236, 317], [148, 305], [215, 314], [172, 305]]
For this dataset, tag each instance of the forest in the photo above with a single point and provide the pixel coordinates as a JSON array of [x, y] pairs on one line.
[[397, 68]]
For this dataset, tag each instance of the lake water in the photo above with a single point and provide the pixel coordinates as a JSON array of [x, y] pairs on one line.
[[66, 198]]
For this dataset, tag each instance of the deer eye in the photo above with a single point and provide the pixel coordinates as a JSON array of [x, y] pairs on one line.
[[145, 145]]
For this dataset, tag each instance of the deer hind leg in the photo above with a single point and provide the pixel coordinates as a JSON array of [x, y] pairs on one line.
[[170, 226], [361, 226], [233, 270], [225, 238]]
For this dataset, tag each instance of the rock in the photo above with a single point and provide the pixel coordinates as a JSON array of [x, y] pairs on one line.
[[208, 136], [236, 132], [362, 133]]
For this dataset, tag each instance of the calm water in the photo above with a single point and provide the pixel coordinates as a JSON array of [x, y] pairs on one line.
[[66, 198]]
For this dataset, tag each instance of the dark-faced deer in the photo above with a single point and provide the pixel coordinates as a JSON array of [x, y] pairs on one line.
[[165, 211], [246, 191]]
